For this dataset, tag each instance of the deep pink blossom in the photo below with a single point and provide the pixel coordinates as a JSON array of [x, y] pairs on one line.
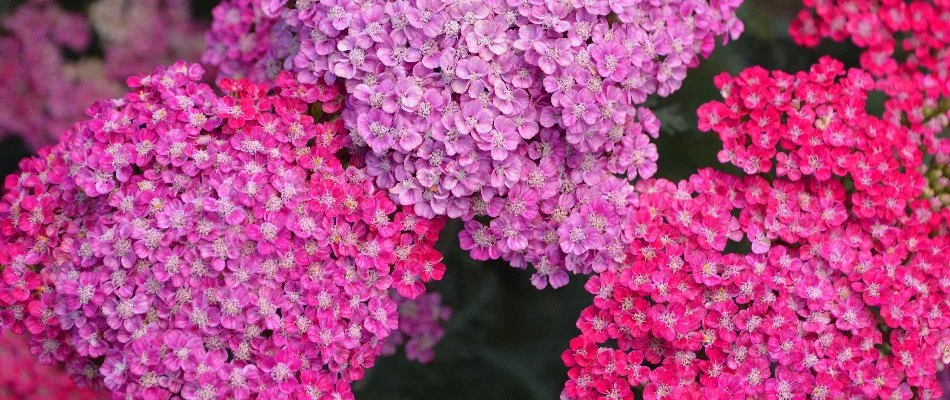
[[813, 280]]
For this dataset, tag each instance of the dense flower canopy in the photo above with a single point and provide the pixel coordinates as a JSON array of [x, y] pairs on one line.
[[56, 62], [182, 242], [272, 235], [820, 273], [522, 118]]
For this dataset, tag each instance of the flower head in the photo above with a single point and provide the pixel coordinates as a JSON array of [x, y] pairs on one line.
[[181, 242], [819, 272]]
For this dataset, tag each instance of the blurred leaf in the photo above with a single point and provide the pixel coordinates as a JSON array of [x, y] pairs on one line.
[[672, 118]]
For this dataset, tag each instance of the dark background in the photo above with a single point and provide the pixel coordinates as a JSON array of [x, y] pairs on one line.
[[505, 338]]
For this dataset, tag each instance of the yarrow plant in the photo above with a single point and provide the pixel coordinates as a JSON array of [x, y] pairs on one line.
[[523, 119], [22, 377], [56, 62], [182, 243], [821, 273]]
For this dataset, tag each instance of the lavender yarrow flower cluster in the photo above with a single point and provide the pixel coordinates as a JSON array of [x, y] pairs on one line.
[[44, 91], [181, 243], [521, 118]]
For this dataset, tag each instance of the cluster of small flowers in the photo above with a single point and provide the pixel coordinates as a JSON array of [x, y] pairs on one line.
[[897, 35], [814, 124], [420, 327], [816, 296], [51, 69], [906, 47], [185, 243], [855, 308], [22, 378], [520, 118]]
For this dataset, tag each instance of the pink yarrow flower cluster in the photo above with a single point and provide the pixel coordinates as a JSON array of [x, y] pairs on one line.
[[45, 90], [802, 282], [182, 243], [23, 378], [521, 118], [906, 46], [815, 124]]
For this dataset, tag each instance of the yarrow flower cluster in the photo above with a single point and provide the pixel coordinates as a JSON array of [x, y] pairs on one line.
[[521, 118], [906, 46], [22, 377], [203, 246], [51, 68], [813, 276]]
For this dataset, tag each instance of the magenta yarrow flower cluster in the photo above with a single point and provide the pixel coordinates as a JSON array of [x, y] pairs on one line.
[[184, 243], [46, 91], [820, 274], [906, 46], [521, 118], [23, 378]]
